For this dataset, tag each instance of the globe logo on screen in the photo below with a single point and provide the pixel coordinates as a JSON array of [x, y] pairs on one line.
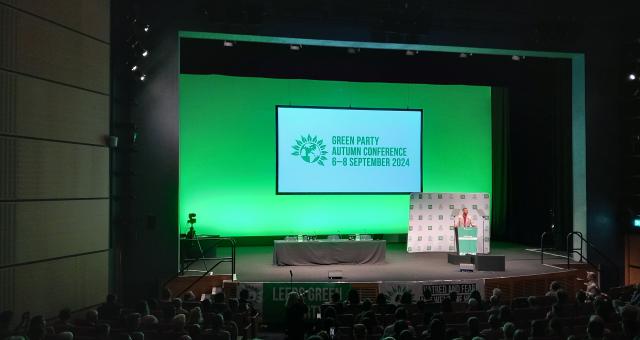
[[310, 149]]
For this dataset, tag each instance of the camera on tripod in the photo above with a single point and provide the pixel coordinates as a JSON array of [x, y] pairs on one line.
[[191, 234]]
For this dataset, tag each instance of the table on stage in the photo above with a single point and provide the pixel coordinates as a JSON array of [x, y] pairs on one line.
[[294, 253]]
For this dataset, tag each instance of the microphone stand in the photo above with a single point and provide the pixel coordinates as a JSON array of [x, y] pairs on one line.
[[291, 279]]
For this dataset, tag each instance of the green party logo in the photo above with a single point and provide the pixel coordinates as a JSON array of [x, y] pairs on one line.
[[310, 149]]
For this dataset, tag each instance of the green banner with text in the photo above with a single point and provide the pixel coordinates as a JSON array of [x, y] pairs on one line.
[[315, 294]]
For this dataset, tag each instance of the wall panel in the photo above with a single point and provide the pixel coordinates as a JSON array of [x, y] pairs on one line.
[[42, 49], [37, 108], [46, 170], [46, 287], [90, 17], [39, 230]]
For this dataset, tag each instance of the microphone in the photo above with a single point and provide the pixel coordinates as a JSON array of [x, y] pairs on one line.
[[291, 279]]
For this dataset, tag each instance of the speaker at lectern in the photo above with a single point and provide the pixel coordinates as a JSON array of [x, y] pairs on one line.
[[466, 233]]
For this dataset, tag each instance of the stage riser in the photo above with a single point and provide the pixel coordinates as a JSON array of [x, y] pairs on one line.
[[534, 285]]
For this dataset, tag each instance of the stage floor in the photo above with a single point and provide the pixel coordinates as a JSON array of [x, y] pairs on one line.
[[254, 264]]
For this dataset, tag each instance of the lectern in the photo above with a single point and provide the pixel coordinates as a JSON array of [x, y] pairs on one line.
[[467, 240]]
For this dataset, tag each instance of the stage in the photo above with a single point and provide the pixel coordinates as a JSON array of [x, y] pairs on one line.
[[255, 264]]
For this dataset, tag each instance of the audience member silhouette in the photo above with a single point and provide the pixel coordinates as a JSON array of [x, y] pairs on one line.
[[217, 329], [110, 310], [554, 286], [453, 296], [353, 298], [555, 328], [437, 330], [63, 323], [427, 295], [336, 303], [507, 330], [359, 332], [538, 329], [474, 326], [494, 331], [229, 324], [295, 311], [595, 328], [400, 316], [520, 334]]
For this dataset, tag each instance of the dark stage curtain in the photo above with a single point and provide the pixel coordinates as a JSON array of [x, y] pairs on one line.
[[562, 158], [500, 162], [532, 159]]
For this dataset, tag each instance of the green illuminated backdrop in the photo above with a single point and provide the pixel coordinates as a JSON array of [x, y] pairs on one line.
[[228, 160]]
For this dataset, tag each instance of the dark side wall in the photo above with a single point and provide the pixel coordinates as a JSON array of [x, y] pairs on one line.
[[144, 219], [54, 159]]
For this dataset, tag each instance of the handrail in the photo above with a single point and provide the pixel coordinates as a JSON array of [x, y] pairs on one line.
[[222, 259], [542, 247], [571, 250]]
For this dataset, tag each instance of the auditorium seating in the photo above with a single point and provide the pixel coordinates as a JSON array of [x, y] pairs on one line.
[[571, 318]]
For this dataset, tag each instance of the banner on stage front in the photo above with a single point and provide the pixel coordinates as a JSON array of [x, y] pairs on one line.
[[275, 294], [439, 289], [432, 216]]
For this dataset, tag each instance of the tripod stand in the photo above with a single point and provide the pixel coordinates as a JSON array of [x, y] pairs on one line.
[[192, 235]]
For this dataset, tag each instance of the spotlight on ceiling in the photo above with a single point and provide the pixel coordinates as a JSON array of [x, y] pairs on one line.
[[515, 57], [410, 52], [134, 68], [146, 28], [228, 43], [142, 77], [295, 47], [632, 76], [352, 50], [464, 55], [144, 53]]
